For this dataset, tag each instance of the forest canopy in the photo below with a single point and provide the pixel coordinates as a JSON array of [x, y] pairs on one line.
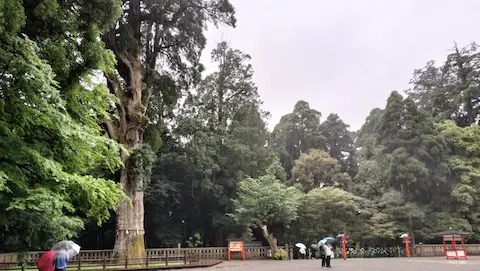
[[192, 150]]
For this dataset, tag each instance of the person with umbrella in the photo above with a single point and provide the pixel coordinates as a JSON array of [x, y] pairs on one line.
[[322, 255], [302, 249], [60, 261], [63, 252], [328, 254], [324, 245], [45, 262]]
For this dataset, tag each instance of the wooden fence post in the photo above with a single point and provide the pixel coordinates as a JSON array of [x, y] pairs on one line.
[[126, 261], [79, 262], [104, 262], [185, 257], [146, 261], [166, 257]]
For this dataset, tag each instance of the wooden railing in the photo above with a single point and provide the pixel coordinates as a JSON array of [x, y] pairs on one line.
[[155, 261], [96, 256], [218, 253], [437, 250]]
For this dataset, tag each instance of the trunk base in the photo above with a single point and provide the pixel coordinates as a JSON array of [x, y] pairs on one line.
[[272, 241], [133, 247]]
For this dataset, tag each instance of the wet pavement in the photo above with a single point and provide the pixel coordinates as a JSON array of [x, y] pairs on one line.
[[378, 264]]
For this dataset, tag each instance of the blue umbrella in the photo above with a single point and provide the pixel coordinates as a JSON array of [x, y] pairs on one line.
[[329, 239]]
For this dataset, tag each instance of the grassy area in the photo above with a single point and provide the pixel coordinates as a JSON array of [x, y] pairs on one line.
[[73, 267]]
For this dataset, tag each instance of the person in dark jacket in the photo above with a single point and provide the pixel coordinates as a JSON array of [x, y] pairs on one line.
[[322, 255]]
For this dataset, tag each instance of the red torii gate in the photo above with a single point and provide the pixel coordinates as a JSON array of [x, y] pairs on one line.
[[453, 244]]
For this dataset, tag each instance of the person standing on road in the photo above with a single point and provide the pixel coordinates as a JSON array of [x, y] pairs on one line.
[[322, 255], [328, 254]]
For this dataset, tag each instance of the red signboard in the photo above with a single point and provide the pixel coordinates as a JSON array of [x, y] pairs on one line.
[[236, 246]]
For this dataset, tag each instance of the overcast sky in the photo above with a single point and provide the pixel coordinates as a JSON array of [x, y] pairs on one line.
[[343, 56]]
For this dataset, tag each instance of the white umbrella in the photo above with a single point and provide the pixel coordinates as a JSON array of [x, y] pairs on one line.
[[300, 245], [67, 249], [303, 251], [76, 248]]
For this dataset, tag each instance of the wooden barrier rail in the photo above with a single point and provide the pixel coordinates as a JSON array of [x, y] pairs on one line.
[[149, 262], [7, 260], [427, 250], [218, 253]]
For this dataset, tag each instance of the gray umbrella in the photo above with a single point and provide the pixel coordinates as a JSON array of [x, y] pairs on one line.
[[67, 249]]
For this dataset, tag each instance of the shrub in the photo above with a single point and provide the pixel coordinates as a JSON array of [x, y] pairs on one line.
[[281, 254]]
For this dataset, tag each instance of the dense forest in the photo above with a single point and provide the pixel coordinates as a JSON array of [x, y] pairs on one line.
[[112, 134]]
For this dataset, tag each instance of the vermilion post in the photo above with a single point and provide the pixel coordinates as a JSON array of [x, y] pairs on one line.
[[343, 240], [344, 246], [406, 241]]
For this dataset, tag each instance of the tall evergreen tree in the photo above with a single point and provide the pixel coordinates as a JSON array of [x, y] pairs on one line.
[[153, 40]]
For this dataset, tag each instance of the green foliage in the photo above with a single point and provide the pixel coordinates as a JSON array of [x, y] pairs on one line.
[[140, 163], [412, 167], [405, 170], [46, 152], [317, 169], [219, 138], [195, 240], [450, 91], [153, 137], [339, 143], [297, 132], [464, 163], [281, 254], [265, 201], [325, 211], [268, 204]]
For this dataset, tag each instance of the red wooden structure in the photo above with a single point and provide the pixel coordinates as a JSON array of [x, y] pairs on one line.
[[453, 244], [343, 239], [236, 246]]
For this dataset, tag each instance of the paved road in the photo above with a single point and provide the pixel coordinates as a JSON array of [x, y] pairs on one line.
[[390, 264]]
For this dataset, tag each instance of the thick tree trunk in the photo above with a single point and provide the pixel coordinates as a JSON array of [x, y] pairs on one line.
[[272, 241], [130, 231], [129, 239]]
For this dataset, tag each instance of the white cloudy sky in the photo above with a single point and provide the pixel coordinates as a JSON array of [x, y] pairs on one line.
[[343, 56]]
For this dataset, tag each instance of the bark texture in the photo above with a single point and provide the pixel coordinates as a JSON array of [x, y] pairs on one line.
[[272, 241], [127, 129], [129, 239]]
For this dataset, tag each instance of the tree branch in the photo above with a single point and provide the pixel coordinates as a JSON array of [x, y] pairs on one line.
[[114, 85], [124, 65], [112, 130], [161, 19]]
